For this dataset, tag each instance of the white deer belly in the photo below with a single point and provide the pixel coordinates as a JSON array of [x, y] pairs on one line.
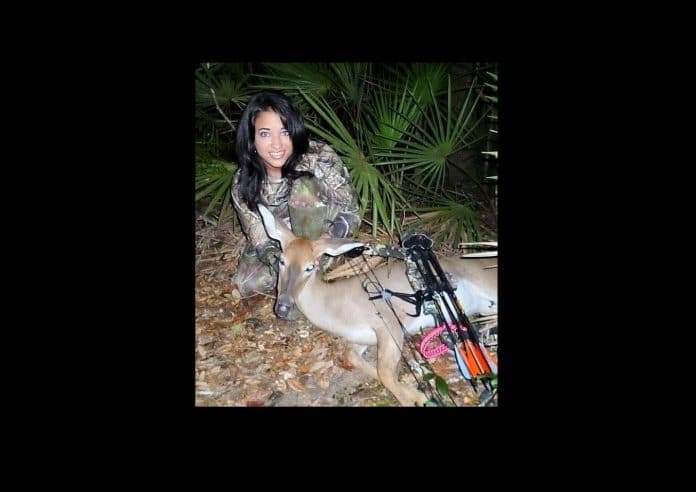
[[353, 329], [472, 299], [476, 301]]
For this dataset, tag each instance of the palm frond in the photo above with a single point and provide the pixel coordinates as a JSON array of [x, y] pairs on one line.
[[449, 222], [376, 193], [390, 114], [433, 141], [230, 89], [214, 179], [349, 81], [424, 77], [290, 78]]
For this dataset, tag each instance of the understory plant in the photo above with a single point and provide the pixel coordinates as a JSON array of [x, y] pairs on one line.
[[412, 135]]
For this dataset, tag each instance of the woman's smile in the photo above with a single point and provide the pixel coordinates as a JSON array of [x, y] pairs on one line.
[[273, 142]]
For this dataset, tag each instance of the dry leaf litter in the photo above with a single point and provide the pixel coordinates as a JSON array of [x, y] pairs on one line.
[[246, 356]]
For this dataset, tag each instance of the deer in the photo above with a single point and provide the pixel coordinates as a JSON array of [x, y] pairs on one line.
[[342, 307]]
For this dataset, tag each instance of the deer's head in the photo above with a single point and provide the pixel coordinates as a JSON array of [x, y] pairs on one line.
[[299, 260]]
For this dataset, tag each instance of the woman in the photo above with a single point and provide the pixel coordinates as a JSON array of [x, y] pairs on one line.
[[294, 177]]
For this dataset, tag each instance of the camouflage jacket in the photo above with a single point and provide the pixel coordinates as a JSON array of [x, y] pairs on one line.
[[322, 161]]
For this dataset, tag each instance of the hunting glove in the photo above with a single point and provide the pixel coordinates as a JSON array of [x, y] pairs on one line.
[[269, 254], [340, 227]]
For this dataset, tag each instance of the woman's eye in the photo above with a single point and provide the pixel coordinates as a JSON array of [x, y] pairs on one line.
[[310, 267], [285, 133], [264, 134]]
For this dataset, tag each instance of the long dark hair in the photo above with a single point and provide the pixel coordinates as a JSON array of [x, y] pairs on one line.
[[252, 171]]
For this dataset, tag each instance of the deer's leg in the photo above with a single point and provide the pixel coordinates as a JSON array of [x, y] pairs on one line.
[[354, 355], [388, 358]]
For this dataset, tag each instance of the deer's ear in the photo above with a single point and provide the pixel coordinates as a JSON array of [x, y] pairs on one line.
[[275, 229], [335, 247]]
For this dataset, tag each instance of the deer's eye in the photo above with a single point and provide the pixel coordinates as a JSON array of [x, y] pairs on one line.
[[309, 268]]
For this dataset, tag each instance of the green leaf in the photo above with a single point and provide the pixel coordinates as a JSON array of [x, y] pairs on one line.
[[429, 376], [211, 188], [493, 378], [375, 191], [448, 220], [224, 189], [441, 385]]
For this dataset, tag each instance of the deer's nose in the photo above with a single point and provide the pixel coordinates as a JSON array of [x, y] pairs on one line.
[[283, 307]]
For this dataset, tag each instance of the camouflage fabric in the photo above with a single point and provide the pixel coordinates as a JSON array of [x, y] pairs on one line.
[[418, 283], [335, 192], [413, 274], [309, 214], [253, 276], [385, 250]]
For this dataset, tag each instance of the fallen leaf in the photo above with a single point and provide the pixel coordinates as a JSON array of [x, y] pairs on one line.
[[296, 385], [321, 365], [286, 374], [342, 362], [236, 329], [323, 381]]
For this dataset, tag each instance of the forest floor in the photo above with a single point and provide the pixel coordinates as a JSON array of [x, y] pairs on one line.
[[246, 356]]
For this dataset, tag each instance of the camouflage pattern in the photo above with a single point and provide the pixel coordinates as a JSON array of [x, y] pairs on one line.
[[385, 250], [412, 273], [253, 276], [308, 213], [414, 276], [256, 271], [418, 283]]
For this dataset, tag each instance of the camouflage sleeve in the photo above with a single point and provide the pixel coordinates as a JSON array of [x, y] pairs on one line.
[[328, 167], [250, 220]]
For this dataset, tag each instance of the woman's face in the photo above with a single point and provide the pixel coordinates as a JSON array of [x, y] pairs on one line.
[[273, 143]]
